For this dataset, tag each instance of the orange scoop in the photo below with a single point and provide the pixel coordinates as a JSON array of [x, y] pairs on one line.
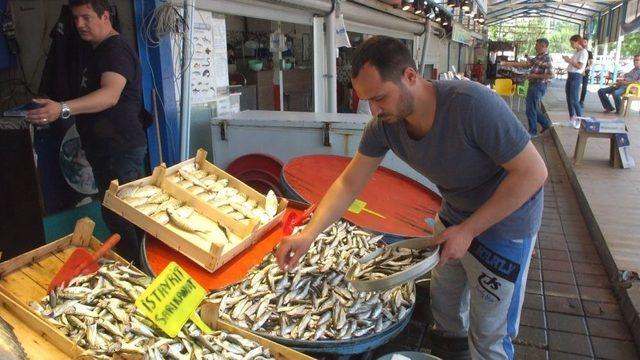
[[82, 262]]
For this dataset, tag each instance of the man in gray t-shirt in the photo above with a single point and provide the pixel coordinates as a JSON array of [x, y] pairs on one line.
[[466, 140]]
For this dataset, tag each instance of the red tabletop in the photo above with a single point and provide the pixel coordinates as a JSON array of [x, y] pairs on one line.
[[404, 203], [159, 255]]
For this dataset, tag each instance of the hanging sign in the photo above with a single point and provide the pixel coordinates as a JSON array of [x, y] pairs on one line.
[[460, 34]]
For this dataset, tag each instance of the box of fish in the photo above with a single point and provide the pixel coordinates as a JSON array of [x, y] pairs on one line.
[[394, 265], [197, 209], [314, 304], [98, 313]]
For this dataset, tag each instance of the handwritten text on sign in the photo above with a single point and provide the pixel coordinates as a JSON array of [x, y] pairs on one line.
[[170, 299]]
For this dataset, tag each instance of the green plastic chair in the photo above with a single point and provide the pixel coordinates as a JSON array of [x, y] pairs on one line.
[[521, 91]]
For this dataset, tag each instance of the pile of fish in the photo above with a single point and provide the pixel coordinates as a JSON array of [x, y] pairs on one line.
[[229, 200], [98, 313], [164, 209], [314, 301], [392, 260]]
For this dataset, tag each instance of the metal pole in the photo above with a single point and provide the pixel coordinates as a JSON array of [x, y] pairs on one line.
[[185, 92], [425, 47], [330, 43], [319, 103], [278, 78], [605, 59], [617, 61]]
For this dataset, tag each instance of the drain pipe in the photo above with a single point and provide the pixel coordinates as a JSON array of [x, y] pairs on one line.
[[185, 92], [331, 51], [425, 47]]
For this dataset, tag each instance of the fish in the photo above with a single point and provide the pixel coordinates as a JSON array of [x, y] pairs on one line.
[[314, 301], [392, 260], [127, 191], [121, 331], [184, 224], [10, 346], [147, 191], [271, 204], [135, 201]]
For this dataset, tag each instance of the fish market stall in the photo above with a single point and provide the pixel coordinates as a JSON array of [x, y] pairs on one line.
[[323, 270], [95, 317]]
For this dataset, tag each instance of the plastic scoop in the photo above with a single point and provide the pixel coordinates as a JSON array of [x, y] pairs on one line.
[[82, 262], [358, 206], [292, 219]]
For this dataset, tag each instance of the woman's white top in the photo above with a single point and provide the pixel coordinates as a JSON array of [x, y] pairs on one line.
[[581, 56]]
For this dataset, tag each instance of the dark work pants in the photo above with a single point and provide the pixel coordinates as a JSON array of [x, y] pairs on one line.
[[126, 166], [585, 84]]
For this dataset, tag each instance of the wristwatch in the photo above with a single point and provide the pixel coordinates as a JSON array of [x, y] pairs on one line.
[[65, 112]]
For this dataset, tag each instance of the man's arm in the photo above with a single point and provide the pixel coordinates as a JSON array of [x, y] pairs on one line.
[[526, 173], [545, 76], [333, 204], [107, 96], [515, 64]]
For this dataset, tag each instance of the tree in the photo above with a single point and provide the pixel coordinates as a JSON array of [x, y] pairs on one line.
[[526, 31], [631, 44]]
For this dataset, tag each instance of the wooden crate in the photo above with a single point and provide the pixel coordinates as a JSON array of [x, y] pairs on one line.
[[208, 254], [26, 278]]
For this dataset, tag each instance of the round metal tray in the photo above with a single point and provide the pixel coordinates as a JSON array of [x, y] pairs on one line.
[[344, 347]]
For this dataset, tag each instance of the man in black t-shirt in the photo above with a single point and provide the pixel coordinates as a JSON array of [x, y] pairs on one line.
[[585, 76], [106, 112]]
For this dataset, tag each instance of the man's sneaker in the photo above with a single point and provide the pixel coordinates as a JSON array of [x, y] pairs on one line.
[[450, 348]]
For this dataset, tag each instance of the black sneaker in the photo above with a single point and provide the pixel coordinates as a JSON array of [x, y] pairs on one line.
[[449, 348]]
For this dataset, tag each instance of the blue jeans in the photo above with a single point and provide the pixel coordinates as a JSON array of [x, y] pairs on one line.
[[534, 107], [616, 92], [126, 167], [572, 90]]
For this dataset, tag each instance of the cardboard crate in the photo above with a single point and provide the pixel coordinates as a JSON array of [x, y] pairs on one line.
[[26, 278], [209, 254]]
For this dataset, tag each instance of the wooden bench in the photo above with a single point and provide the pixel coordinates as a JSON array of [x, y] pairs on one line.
[[614, 156]]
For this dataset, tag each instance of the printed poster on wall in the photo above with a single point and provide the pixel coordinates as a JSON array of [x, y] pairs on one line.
[[209, 71]]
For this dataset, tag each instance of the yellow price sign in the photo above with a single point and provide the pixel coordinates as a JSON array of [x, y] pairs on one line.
[[171, 299]]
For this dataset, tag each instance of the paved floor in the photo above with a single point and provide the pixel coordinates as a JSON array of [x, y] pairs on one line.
[[613, 195], [570, 311]]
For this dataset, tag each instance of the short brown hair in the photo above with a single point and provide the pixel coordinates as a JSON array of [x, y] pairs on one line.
[[576, 38], [388, 55], [99, 6]]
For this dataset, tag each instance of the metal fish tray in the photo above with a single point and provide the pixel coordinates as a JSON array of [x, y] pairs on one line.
[[413, 272]]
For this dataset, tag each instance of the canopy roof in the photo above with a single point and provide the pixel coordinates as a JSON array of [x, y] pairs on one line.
[[578, 12]]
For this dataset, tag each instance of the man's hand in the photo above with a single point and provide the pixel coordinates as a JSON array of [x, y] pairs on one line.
[[48, 113], [291, 249], [455, 241], [566, 58]]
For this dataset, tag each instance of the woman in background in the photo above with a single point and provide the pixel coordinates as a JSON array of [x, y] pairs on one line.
[[575, 69]]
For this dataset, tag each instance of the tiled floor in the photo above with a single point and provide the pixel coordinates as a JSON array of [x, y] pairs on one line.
[[569, 311]]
